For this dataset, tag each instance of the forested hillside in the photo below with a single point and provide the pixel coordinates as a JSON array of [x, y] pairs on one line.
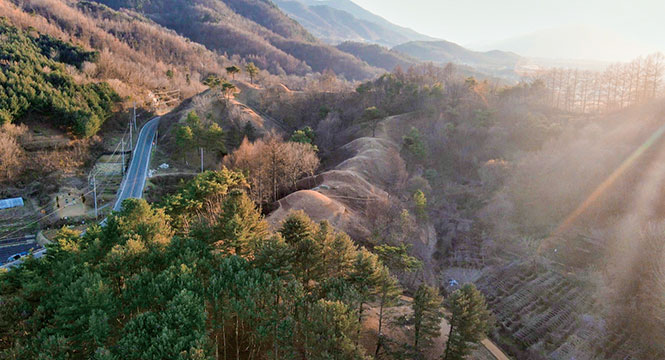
[[33, 78], [255, 30], [144, 287], [64, 64], [309, 201], [493, 62], [134, 54], [199, 274], [529, 197], [377, 55]]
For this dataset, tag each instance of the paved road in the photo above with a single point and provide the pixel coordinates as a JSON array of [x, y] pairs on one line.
[[12, 241], [7, 251], [134, 181]]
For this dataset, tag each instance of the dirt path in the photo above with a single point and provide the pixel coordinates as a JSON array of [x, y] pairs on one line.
[[492, 348]]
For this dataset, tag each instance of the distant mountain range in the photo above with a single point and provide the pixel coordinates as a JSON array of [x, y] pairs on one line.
[[383, 44], [377, 55], [358, 31], [445, 51], [336, 21]]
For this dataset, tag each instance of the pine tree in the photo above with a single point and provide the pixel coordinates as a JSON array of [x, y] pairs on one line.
[[150, 225], [212, 81], [469, 321], [228, 90], [339, 253], [305, 136], [427, 314], [372, 117], [274, 257], [249, 131], [365, 277], [201, 198], [330, 328], [184, 139], [221, 311], [397, 258], [240, 228], [415, 145], [215, 139], [232, 70], [193, 121], [420, 203], [252, 71], [82, 311], [299, 231], [53, 347], [165, 334], [388, 293]]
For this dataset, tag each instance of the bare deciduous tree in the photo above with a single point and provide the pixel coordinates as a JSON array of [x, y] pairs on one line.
[[272, 165], [619, 86], [11, 152]]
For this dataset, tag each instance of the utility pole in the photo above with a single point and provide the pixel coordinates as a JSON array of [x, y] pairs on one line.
[[131, 145], [201, 158], [122, 141], [94, 186], [135, 128]]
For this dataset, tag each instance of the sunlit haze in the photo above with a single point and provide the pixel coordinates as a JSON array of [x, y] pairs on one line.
[[636, 25], [319, 179]]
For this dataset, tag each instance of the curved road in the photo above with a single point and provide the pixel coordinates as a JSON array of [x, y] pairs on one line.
[[134, 180]]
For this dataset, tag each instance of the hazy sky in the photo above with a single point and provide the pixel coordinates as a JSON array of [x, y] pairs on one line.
[[471, 22]]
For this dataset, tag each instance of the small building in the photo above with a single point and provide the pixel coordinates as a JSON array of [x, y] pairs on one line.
[[11, 203]]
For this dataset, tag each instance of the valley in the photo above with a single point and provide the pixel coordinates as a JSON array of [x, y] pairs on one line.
[[249, 179]]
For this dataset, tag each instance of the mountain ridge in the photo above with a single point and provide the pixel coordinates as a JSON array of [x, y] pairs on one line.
[[377, 55], [364, 14], [494, 62], [339, 21], [255, 30]]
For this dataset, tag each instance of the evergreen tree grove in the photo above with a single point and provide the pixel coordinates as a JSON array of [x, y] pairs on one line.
[[427, 315], [198, 277], [469, 321], [37, 81]]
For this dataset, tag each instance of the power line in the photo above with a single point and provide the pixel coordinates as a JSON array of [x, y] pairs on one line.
[[64, 207], [40, 252], [39, 209], [49, 214], [105, 185], [94, 186], [40, 219], [121, 143]]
